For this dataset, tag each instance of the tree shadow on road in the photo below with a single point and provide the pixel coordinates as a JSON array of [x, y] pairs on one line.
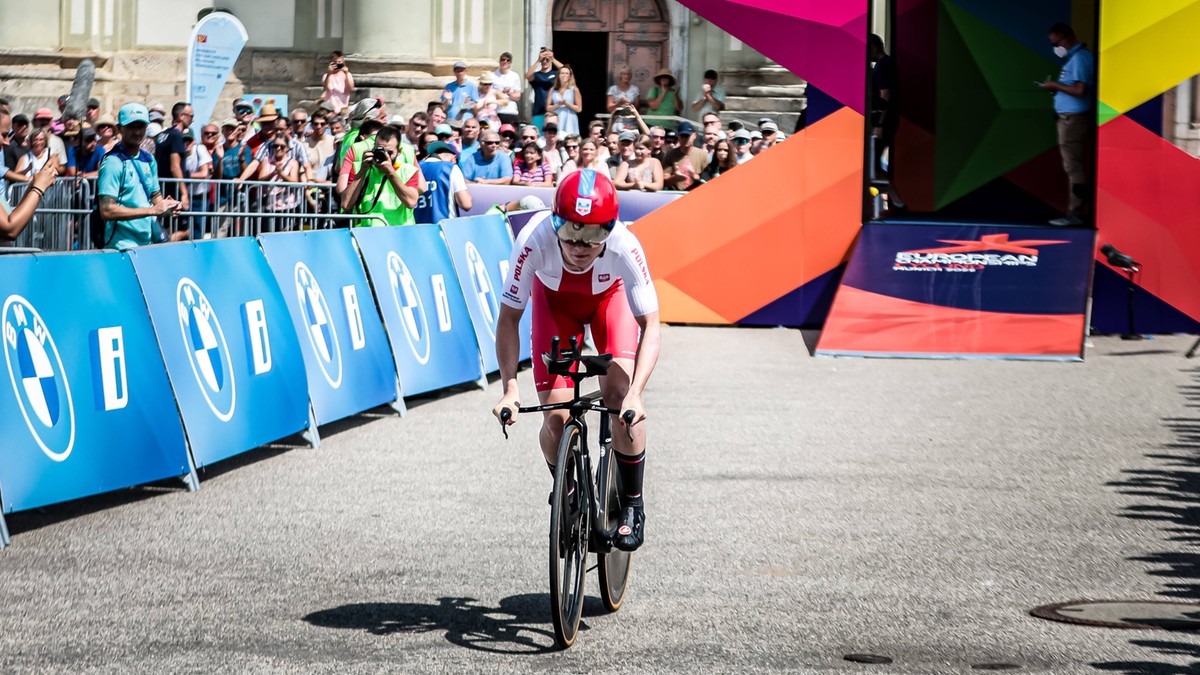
[[1169, 495], [519, 625]]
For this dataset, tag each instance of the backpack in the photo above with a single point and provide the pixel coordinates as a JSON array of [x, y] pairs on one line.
[[96, 224]]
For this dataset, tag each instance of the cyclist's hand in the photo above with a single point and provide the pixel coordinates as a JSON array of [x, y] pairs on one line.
[[633, 403], [511, 404]]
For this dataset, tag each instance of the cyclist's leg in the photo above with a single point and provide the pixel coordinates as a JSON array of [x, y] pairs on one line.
[[548, 324], [616, 333]]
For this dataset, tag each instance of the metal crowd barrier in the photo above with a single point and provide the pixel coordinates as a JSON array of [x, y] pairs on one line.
[[218, 208]]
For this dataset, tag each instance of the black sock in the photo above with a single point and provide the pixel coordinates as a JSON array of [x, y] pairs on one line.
[[631, 468]]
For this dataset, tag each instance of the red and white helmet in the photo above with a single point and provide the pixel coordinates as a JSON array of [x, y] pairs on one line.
[[585, 207]]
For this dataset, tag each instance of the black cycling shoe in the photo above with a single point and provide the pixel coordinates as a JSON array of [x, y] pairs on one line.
[[631, 529]]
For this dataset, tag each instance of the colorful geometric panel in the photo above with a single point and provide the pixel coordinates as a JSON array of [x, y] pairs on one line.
[[1148, 189], [765, 242], [822, 42], [1146, 48], [761, 231], [974, 129], [1148, 206]]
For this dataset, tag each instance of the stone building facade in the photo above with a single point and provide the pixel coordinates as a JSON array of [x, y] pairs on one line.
[[401, 50]]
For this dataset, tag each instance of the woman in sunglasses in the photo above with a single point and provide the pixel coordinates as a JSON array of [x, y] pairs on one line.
[[581, 266], [279, 168]]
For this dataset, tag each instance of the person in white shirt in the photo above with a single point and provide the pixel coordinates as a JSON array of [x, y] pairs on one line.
[[712, 95], [508, 82]]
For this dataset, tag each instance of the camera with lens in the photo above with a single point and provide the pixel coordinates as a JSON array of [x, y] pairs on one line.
[[379, 155]]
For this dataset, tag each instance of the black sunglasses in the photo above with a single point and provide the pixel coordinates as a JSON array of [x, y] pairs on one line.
[[490, 142]]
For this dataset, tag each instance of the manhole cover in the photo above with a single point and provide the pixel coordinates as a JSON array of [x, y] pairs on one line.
[[1141, 614]]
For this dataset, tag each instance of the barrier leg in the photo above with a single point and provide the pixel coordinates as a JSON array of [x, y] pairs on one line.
[[482, 381], [191, 479], [3, 532], [311, 434], [398, 405]]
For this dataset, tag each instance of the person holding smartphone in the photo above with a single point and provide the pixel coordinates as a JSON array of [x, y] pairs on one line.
[[338, 83], [542, 76]]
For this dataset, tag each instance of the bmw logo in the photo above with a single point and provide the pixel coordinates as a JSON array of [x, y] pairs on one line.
[[206, 349], [410, 307], [482, 283], [318, 321], [38, 378]]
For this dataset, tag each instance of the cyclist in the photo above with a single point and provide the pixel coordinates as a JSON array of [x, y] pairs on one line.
[[581, 266]]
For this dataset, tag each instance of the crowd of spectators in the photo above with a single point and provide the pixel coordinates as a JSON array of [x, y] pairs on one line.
[[353, 157]]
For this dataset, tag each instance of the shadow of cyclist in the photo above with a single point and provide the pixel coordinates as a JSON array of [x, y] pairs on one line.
[[518, 626]]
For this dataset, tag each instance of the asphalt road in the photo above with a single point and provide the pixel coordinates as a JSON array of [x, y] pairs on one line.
[[799, 509]]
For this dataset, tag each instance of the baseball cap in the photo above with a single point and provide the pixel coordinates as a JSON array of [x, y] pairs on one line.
[[188, 133], [443, 129], [736, 124], [460, 65], [397, 121], [549, 126], [741, 134], [438, 146], [764, 120], [93, 102], [229, 122], [20, 118], [43, 112], [686, 128], [243, 105], [781, 137], [768, 127], [131, 113], [507, 128], [756, 135], [89, 134], [627, 135], [671, 135]]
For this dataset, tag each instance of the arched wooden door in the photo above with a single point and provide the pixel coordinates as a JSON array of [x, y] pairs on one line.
[[598, 36]]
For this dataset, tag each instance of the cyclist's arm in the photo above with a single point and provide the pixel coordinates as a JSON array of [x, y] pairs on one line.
[[508, 349], [647, 352]]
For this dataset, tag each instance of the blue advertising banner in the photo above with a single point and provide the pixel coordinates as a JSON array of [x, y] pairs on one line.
[[633, 204], [963, 290], [217, 40], [480, 248], [86, 407], [422, 304], [228, 343], [346, 355]]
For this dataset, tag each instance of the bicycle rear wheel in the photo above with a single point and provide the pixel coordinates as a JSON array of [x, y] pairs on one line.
[[614, 567], [568, 538]]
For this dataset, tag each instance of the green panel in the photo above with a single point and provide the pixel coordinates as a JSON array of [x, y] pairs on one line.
[[991, 117], [1105, 112]]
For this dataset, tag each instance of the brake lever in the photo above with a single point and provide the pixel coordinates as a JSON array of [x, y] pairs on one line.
[[627, 418], [505, 416]]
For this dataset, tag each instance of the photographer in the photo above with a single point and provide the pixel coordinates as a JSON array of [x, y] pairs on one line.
[[129, 195], [384, 183]]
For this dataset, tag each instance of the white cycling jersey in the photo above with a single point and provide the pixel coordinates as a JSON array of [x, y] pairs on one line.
[[536, 254]]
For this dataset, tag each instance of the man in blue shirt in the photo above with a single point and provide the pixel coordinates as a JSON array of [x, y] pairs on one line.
[[1074, 101], [460, 93], [488, 165], [130, 199]]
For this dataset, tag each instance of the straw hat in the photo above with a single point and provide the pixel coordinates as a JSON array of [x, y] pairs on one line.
[[665, 72]]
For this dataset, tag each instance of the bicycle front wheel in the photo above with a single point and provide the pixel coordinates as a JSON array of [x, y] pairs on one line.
[[568, 538], [614, 566]]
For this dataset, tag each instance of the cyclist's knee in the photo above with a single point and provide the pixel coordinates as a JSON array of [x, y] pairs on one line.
[[552, 423]]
